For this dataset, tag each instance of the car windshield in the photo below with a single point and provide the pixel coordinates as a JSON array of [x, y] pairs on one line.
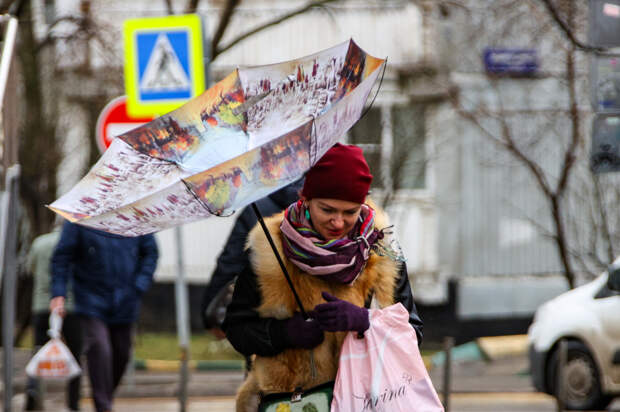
[[605, 291]]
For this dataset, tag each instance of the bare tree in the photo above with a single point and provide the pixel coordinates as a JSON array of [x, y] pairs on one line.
[[228, 11], [39, 152], [42, 80], [558, 25]]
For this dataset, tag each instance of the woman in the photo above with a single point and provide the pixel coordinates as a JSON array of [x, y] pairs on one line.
[[338, 260]]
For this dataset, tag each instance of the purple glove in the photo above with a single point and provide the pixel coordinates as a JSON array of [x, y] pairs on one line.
[[339, 315], [302, 333]]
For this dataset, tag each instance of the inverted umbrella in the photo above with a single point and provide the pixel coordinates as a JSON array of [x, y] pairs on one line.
[[257, 130]]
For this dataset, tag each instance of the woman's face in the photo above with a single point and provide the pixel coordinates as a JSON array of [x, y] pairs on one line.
[[333, 218]]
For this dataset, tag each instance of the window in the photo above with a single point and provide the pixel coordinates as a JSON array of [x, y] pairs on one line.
[[367, 134], [392, 138], [408, 166]]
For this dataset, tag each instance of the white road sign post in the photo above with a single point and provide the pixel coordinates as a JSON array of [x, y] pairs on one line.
[[164, 68]]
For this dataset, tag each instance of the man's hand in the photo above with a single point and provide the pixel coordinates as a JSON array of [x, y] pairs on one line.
[[218, 333], [58, 304]]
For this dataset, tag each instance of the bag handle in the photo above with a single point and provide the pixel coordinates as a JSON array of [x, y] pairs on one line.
[[55, 323]]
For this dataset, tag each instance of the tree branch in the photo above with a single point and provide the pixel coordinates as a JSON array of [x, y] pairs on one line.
[[568, 32], [569, 155], [535, 169], [169, 8], [225, 17], [507, 142], [79, 21], [512, 147], [192, 6], [217, 51]]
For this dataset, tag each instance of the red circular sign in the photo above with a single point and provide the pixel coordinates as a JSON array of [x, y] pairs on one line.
[[114, 121]]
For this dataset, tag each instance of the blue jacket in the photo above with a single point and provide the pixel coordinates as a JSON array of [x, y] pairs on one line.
[[110, 272]]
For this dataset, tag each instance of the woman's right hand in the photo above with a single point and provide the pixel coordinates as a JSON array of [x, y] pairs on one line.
[[58, 304], [301, 333]]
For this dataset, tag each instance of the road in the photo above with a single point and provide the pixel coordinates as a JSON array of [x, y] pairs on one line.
[[474, 402], [460, 402], [478, 386]]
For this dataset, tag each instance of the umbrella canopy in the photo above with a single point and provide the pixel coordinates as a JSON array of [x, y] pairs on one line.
[[255, 131]]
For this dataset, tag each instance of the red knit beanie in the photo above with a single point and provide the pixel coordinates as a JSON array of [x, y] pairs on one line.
[[342, 173]]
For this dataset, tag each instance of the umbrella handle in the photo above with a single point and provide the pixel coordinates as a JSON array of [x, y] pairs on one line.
[[259, 216]]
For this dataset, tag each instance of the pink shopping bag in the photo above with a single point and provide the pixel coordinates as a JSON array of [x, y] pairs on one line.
[[384, 370]]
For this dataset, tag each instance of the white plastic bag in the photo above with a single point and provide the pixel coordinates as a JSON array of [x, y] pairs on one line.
[[53, 360]]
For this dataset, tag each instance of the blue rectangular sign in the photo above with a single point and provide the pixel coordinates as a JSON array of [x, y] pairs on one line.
[[163, 65], [522, 62]]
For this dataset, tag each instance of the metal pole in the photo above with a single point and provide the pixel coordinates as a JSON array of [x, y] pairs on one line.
[[4, 224], [8, 228], [9, 269], [560, 381], [130, 375], [448, 343], [180, 289], [7, 54]]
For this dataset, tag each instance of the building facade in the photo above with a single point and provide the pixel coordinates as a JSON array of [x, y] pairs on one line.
[[466, 209]]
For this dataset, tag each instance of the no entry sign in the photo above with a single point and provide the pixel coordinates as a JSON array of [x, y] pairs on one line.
[[114, 121]]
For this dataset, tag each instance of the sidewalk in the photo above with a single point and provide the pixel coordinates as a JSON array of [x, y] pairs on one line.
[[161, 380], [55, 403], [500, 366], [490, 364]]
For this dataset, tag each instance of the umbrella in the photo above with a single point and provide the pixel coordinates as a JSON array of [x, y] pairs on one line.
[[257, 130]]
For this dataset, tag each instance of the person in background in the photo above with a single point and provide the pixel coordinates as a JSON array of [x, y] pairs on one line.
[[336, 248], [110, 275], [38, 264], [233, 260]]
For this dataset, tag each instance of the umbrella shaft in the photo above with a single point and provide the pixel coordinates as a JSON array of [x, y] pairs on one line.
[[259, 216]]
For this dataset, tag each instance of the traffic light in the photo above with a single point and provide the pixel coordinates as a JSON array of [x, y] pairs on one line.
[[604, 32], [605, 23], [606, 82], [605, 152]]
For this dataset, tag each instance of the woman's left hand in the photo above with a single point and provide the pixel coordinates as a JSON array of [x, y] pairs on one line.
[[338, 315]]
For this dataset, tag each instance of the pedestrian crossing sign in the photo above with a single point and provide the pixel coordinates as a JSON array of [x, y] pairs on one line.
[[164, 64]]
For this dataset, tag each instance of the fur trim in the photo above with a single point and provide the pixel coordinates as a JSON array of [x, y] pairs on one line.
[[247, 395], [291, 369]]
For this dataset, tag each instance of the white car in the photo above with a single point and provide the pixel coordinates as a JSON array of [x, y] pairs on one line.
[[588, 318]]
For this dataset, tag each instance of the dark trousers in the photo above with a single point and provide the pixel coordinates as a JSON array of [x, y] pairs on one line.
[[73, 338], [107, 348]]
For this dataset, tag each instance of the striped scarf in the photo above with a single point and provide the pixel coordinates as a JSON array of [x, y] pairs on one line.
[[340, 260]]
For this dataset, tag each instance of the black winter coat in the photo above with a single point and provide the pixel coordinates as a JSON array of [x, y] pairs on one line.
[[233, 260]]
